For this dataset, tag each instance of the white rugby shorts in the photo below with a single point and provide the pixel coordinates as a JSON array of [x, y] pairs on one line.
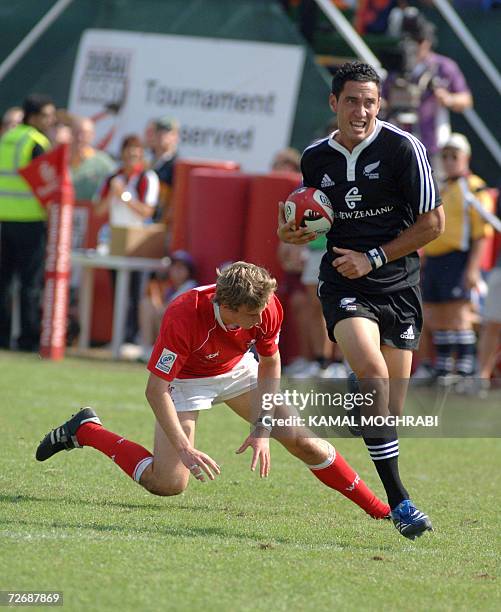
[[202, 393]]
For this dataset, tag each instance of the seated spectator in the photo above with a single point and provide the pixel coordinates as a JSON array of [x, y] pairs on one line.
[[130, 196], [452, 265], [161, 292], [13, 116]]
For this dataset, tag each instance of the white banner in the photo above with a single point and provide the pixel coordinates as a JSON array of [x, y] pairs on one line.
[[234, 100]]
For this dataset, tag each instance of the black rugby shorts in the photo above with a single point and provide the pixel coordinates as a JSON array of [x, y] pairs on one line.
[[399, 315], [443, 278]]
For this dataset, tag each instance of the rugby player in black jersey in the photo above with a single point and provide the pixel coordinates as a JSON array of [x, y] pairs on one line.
[[386, 206]]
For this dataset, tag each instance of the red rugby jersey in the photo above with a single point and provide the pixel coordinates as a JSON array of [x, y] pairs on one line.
[[193, 344]]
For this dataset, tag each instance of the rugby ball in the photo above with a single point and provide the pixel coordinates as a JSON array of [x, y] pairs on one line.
[[309, 208]]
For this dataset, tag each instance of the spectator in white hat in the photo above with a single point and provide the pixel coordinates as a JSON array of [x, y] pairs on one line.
[[452, 265]]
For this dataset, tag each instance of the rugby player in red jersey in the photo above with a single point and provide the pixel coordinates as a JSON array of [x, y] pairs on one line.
[[202, 357]]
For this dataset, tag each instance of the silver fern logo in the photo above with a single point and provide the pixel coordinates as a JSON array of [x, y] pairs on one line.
[[369, 170]]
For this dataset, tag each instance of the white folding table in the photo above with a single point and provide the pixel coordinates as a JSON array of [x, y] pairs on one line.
[[89, 260]]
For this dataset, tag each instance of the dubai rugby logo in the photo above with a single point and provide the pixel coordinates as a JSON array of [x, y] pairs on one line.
[[105, 77], [166, 361], [352, 198]]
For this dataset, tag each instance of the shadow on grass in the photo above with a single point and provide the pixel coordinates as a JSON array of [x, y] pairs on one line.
[[261, 540], [182, 531], [161, 505]]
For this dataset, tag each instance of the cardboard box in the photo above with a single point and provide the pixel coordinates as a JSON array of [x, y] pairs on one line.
[[146, 241]]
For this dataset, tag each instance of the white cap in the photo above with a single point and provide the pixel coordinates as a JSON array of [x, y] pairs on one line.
[[458, 141]]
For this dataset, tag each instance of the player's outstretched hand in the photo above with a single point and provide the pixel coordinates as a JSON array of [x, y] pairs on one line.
[[260, 452], [199, 464], [351, 264], [287, 231]]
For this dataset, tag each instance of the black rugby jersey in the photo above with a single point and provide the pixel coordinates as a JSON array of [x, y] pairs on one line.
[[376, 191]]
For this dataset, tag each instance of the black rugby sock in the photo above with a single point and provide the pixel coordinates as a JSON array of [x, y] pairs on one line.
[[322, 361], [384, 453], [444, 342], [466, 344]]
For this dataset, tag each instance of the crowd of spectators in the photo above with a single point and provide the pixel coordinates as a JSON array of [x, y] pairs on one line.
[[132, 191]]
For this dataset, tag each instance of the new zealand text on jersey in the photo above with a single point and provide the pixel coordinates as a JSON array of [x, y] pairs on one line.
[[360, 214]]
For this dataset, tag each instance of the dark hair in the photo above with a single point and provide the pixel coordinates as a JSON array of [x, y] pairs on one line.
[[421, 30], [354, 71], [34, 103], [131, 140]]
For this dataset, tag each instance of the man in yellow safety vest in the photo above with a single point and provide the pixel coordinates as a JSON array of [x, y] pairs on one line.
[[23, 222]]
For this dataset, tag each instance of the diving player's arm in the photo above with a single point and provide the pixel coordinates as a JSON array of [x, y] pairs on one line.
[[259, 438], [158, 396], [171, 351]]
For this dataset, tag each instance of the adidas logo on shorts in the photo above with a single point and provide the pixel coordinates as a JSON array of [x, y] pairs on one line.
[[408, 334]]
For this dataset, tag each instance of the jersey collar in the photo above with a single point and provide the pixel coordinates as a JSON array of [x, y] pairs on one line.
[[351, 158], [217, 314]]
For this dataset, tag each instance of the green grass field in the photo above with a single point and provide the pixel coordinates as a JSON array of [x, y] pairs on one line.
[[77, 524]]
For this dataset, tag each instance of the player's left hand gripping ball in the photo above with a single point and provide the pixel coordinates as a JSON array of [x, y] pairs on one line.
[[311, 209]]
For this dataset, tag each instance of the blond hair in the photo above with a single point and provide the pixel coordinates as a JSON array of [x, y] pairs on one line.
[[244, 284]]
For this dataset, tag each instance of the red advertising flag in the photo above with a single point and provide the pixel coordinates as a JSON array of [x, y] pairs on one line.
[[49, 178], [47, 173]]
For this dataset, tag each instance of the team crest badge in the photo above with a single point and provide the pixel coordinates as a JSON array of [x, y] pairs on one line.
[[166, 361]]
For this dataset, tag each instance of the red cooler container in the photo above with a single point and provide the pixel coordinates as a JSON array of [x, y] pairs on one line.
[[217, 219], [180, 196]]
